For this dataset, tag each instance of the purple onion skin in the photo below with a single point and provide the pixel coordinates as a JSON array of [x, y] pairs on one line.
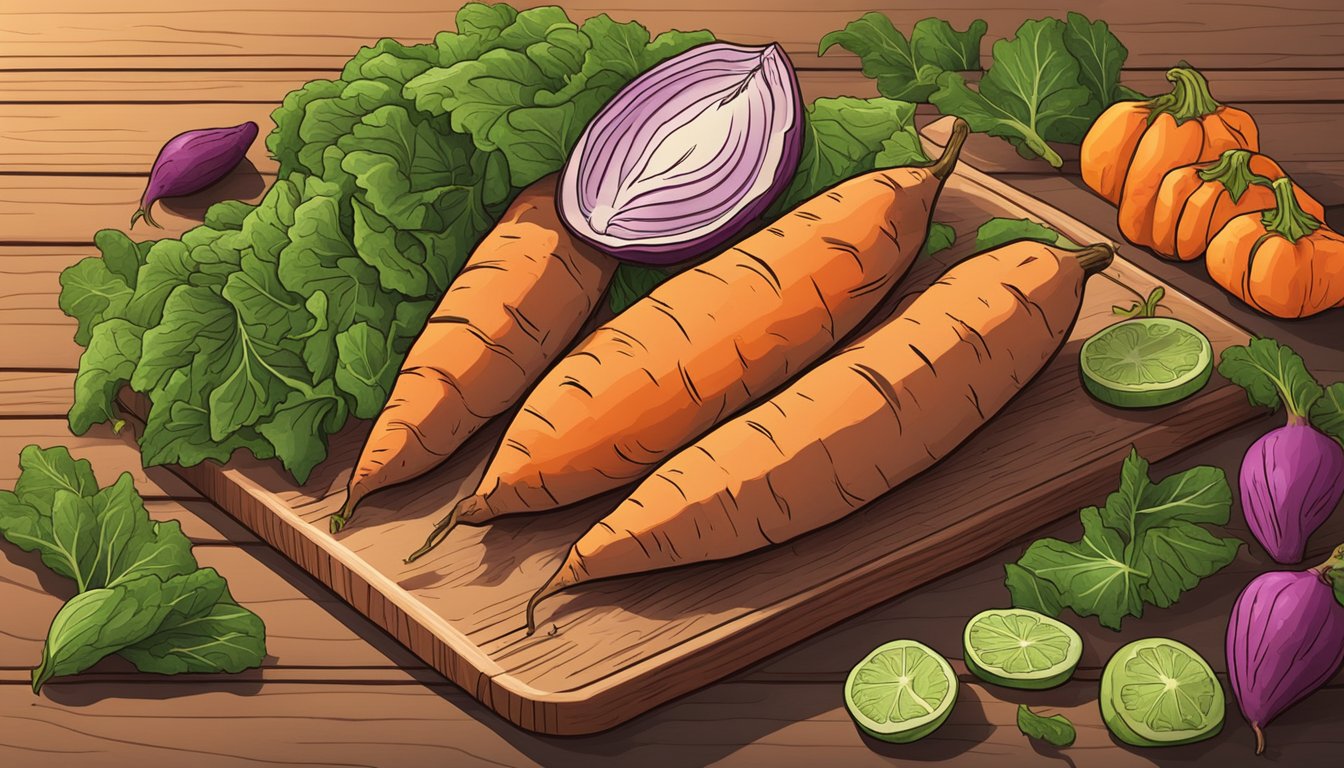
[[192, 161], [1291, 480], [1285, 639]]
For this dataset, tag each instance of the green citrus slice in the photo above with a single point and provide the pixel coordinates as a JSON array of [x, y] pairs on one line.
[[1158, 692], [1146, 362], [1020, 649], [901, 692]]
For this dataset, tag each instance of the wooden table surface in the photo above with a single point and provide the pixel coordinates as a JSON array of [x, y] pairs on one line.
[[88, 92]]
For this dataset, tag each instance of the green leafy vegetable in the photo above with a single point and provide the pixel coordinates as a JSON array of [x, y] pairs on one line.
[[1100, 57], [1030, 95], [1327, 414], [941, 237], [1145, 546], [908, 69], [997, 231], [845, 136], [1044, 85], [1056, 729], [140, 591], [1272, 373]]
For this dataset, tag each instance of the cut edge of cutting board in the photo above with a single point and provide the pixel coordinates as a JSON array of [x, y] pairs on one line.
[[740, 641]]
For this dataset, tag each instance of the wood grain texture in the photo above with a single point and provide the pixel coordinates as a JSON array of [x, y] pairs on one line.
[[323, 33], [35, 393], [129, 723], [613, 649]]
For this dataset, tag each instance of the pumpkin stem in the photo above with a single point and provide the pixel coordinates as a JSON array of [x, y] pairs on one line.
[[1233, 171], [1189, 98], [1288, 220]]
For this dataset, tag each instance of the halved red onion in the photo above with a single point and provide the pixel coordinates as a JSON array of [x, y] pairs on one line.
[[687, 155]]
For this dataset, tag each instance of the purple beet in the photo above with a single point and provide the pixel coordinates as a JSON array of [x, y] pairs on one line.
[[1285, 639], [192, 161], [1291, 480]]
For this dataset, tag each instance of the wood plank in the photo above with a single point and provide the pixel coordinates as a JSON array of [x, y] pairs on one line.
[[110, 455], [662, 634], [29, 291], [269, 86], [790, 725], [306, 625], [34, 393], [322, 34]]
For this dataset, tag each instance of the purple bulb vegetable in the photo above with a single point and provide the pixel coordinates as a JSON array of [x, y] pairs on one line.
[[1285, 639], [192, 161], [1292, 478]]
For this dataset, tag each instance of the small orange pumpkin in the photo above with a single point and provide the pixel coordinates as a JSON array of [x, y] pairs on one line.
[[1189, 127], [1134, 143], [1284, 262], [1196, 200]]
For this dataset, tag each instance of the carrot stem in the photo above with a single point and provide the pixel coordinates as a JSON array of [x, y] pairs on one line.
[[1288, 220], [1189, 98], [942, 167], [1233, 171]]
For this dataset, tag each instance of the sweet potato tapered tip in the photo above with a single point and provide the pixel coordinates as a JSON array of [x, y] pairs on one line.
[[557, 583], [464, 511]]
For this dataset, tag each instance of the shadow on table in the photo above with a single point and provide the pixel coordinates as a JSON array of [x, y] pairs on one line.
[[244, 182]]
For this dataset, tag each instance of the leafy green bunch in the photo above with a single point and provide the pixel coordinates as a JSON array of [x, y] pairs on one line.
[[141, 594], [267, 327], [1146, 545], [1045, 84]]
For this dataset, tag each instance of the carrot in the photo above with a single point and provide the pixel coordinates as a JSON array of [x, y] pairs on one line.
[[707, 342], [879, 412], [517, 304]]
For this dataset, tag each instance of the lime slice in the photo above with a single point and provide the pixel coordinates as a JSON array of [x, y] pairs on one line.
[[1146, 362], [1157, 692], [901, 692], [1020, 649]]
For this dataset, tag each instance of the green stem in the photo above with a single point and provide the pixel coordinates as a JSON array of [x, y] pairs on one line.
[[1233, 171], [1146, 308], [1189, 98], [1288, 220]]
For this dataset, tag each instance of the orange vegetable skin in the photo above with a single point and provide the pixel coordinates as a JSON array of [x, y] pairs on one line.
[[1196, 201], [881, 411], [1284, 262], [517, 304], [1186, 126], [707, 342], [1109, 147]]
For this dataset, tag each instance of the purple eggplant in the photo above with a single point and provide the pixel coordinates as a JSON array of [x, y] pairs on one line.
[[1285, 639], [1292, 478], [192, 161]]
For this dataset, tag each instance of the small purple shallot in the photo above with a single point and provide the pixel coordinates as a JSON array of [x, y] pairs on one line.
[[192, 161]]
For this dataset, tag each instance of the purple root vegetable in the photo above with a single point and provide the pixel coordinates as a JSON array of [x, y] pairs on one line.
[[1285, 639], [1291, 480], [192, 161]]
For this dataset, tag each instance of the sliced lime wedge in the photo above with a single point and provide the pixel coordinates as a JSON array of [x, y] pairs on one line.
[[1020, 649], [901, 692], [1146, 362], [1157, 692]]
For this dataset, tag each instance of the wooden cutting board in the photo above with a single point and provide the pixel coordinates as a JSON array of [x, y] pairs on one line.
[[609, 651]]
